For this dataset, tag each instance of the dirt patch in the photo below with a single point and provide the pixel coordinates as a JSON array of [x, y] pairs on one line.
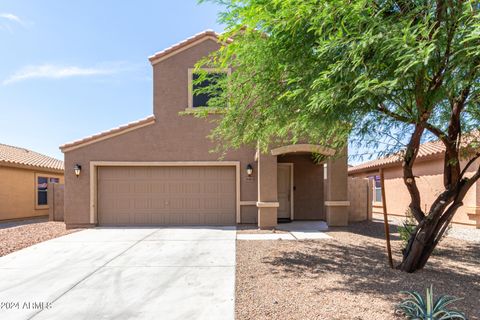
[[346, 277], [19, 237]]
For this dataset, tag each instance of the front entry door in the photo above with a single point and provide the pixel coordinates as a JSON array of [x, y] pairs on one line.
[[284, 189]]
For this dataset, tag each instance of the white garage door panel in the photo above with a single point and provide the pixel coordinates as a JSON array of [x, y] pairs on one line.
[[166, 195]]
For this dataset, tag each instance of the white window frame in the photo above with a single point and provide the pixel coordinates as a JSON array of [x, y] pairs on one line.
[[375, 188]]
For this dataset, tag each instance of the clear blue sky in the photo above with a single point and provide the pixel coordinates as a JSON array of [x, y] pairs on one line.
[[69, 69]]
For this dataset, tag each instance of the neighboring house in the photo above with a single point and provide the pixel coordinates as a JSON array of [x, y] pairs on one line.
[[24, 175], [160, 170], [428, 169]]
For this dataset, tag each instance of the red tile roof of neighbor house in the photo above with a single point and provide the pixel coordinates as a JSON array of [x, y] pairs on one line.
[[106, 134], [427, 150], [21, 157]]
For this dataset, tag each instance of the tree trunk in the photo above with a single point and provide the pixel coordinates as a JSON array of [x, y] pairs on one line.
[[425, 238], [420, 247]]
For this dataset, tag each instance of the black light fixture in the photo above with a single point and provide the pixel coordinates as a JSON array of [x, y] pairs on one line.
[[77, 169], [249, 170]]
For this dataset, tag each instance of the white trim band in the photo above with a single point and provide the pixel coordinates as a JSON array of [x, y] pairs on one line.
[[248, 203], [337, 203], [263, 204]]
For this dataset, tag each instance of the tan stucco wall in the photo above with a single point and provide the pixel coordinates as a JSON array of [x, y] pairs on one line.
[[308, 183], [171, 138], [336, 201], [17, 193], [249, 214], [267, 190], [184, 138], [430, 184]]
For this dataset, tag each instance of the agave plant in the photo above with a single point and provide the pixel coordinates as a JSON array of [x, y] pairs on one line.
[[416, 307]]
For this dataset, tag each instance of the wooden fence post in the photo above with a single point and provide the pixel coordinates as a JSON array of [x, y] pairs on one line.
[[385, 219]]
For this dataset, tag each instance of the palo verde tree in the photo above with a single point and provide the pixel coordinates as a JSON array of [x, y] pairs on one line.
[[375, 72]]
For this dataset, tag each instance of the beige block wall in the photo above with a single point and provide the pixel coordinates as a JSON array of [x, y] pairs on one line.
[[56, 203], [430, 184], [359, 195], [17, 193]]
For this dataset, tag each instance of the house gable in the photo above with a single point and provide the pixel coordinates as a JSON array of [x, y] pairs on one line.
[[171, 78], [171, 93], [183, 45]]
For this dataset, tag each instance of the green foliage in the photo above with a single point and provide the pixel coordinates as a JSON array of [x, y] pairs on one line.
[[418, 307], [407, 228], [323, 70]]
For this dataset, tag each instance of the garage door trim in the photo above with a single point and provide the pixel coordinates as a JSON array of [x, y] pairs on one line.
[[94, 181]]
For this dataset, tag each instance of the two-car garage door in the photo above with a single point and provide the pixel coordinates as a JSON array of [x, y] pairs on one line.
[[166, 195]]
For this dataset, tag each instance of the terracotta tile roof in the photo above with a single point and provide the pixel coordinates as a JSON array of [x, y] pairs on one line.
[[15, 156], [427, 150], [112, 132], [204, 34]]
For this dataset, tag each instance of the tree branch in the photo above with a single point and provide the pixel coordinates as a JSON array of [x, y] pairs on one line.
[[470, 162], [383, 109], [408, 177], [436, 132]]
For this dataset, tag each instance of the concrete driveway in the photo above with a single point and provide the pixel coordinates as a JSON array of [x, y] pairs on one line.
[[123, 273]]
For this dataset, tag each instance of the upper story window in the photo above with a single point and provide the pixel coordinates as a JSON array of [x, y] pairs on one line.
[[196, 97]]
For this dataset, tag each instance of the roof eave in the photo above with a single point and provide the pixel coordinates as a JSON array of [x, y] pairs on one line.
[[185, 44], [108, 134], [30, 167], [353, 170]]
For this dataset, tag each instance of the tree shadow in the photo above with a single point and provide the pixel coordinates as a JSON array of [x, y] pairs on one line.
[[371, 229], [360, 267]]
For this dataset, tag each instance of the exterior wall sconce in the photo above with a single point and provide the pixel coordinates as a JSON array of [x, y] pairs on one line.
[[249, 170], [77, 169]]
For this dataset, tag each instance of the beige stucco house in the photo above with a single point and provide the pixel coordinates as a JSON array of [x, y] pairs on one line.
[[24, 176], [160, 171], [429, 170]]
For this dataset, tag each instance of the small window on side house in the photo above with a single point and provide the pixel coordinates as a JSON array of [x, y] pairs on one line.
[[42, 183], [42, 190], [377, 189], [198, 93]]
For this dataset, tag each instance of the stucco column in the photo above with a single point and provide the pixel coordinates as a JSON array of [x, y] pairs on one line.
[[336, 203], [267, 190]]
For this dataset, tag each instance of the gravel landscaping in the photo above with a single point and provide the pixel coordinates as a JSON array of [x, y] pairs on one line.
[[253, 229], [347, 277], [18, 235], [457, 231]]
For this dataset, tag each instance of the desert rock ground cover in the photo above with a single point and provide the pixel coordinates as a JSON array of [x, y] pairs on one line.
[[347, 277], [18, 236]]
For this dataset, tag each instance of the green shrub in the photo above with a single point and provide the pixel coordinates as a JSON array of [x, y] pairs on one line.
[[416, 307], [408, 226]]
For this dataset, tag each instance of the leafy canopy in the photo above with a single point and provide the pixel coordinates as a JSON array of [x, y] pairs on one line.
[[323, 70]]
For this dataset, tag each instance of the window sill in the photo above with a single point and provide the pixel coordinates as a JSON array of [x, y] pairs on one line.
[[41, 207], [203, 110]]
